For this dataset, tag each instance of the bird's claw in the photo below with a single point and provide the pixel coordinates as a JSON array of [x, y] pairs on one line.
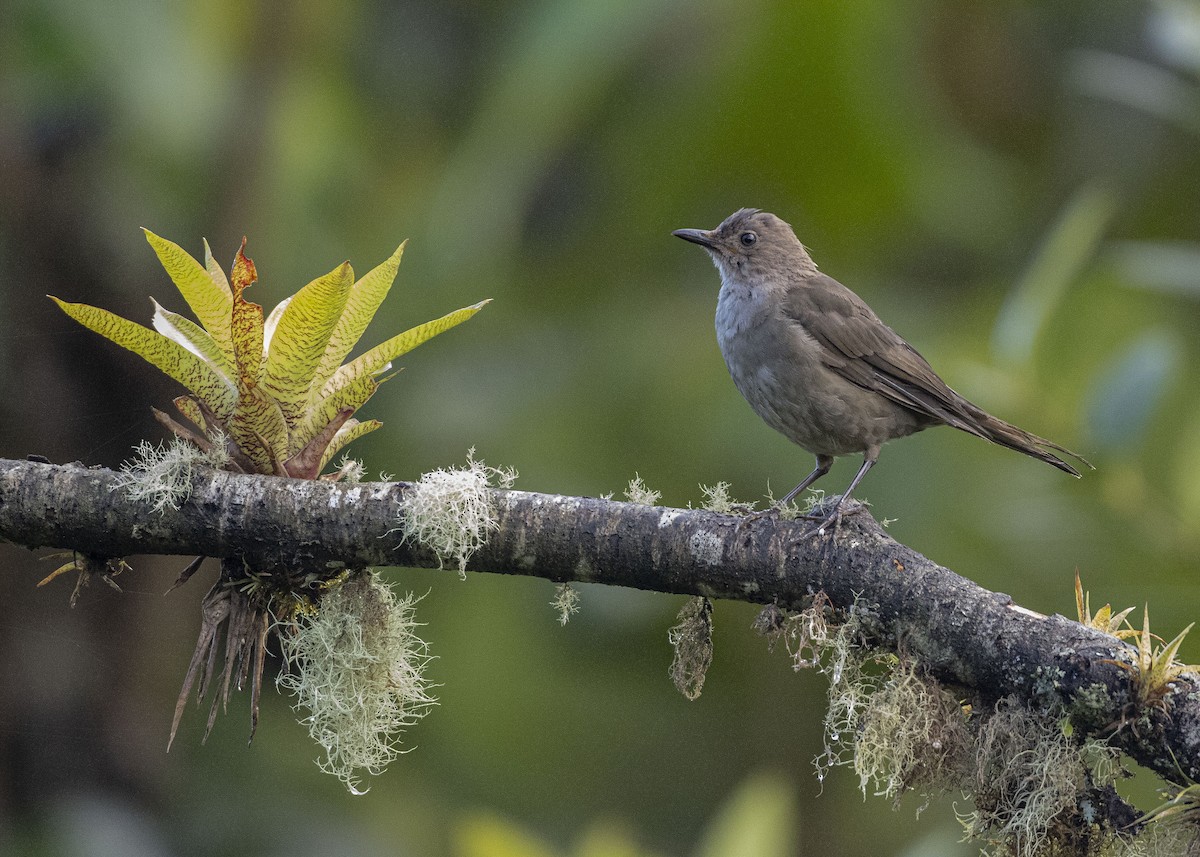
[[819, 530], [833, 520], [774, 510]]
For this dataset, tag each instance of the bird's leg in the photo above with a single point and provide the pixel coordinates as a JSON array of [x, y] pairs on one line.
[[835, 517], [824, 462]]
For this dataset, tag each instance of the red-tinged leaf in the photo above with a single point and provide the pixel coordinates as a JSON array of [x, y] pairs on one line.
[[247, 323], [352, 396], [347, 434], [306, 464], [180, 431]]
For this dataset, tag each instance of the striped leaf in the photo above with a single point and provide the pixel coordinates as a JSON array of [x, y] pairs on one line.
[[258, 428], [247, 327], [299, 339], [353, 396], [187, 406], [191, 336], [164, 354], [361, 305], [348, 433], [380, 357], [209, 299]]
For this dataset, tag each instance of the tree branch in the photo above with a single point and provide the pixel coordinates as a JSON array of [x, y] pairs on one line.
[[960, 632]]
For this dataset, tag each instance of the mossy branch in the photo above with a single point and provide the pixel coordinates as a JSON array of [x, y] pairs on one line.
[[962, 633]]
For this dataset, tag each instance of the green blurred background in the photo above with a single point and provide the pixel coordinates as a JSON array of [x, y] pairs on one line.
[[1012, 186]]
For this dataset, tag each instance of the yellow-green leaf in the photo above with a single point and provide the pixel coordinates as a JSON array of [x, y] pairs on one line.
[[191, 336], [361, 305], [354, 395], [378, 358], [214, 270], [300, 336], [348, 433], [165, 354], [272, 321], [209, 299], [258, 428], [187, 406]]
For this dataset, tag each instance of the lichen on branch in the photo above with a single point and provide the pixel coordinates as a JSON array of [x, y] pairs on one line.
[[357, 667], [450, 510]]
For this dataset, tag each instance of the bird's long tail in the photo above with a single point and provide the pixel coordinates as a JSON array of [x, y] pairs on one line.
[[998, 431]]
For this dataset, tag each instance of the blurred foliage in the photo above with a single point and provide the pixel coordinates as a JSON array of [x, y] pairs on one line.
[[1010, 184]]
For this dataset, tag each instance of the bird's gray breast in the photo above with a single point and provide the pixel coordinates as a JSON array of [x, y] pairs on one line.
[[781, 371]]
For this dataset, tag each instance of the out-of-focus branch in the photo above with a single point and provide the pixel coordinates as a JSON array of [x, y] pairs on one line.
[[962, 633]]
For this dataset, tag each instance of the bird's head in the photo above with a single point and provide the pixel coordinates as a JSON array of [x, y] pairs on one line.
[[753, 246]]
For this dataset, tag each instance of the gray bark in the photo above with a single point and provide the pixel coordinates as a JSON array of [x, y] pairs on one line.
[[962, 633]]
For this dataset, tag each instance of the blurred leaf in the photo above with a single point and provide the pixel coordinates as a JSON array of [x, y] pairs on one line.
[[1139, 85], [551, 78], [1125, 395], [1066, 251], [484, 835], [759, 820], [1165, 266], [1174, 29], [941, 842], [609, 840], [1186, 471]]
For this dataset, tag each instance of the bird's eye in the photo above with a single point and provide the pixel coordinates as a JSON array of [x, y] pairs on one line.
[[748, 239]]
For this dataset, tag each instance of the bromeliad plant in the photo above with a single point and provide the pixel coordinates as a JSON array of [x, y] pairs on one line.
[[267, 395]]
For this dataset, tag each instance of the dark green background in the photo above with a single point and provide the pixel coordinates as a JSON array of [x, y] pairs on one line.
[[1011, 185]]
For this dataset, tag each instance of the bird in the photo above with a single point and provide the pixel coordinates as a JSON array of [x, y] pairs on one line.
[[820, 367]]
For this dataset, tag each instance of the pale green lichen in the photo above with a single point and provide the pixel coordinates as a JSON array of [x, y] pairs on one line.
[[800, 506], [356, 666], [451, 512], [912, 735], [566, 602], [350, 470], [1029, 775], [1034, 781], [718, 499], [692, 640], [806, 634], [163, 474], [637, 492]]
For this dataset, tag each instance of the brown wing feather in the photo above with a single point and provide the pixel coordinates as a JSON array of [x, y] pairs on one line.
[[866, 352]]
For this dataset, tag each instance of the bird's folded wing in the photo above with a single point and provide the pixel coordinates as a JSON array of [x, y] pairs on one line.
[[865, 351]]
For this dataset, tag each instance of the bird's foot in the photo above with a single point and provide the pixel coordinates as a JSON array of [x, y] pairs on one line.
[[777, 510], [829, 523], [744, 520]]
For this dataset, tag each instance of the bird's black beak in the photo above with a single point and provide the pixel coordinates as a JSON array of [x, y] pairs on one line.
[[696, 236]]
